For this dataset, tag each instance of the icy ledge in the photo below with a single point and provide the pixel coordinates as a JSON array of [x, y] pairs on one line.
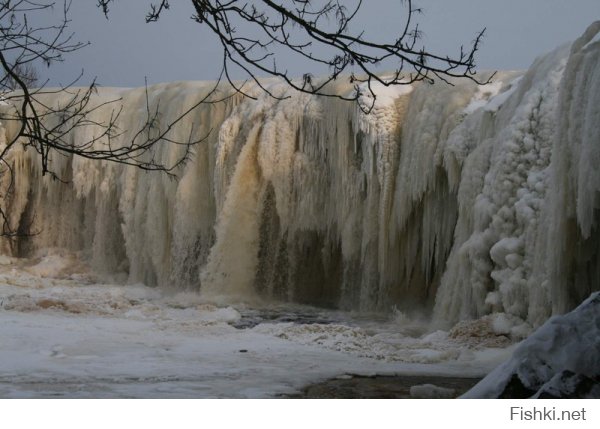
[[560, 360]]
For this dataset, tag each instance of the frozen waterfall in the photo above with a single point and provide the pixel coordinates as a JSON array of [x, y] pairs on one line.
[[461, 201]]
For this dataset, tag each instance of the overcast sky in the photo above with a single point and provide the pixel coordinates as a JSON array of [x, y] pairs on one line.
[[124, 49]]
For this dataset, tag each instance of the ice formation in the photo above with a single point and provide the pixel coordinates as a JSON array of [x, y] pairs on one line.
[[560, 359], [461, 200]]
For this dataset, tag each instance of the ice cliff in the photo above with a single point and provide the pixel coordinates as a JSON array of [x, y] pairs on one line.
[[461, 201]]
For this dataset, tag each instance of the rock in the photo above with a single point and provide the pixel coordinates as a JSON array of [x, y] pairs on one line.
[[568, 385], [559, 360]]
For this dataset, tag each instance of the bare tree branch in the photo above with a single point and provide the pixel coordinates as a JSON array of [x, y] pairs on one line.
[[46, 126], [257, 36]]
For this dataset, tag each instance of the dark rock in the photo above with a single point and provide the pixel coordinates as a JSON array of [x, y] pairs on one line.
[[568, 385], [379, 387], [515, 389]]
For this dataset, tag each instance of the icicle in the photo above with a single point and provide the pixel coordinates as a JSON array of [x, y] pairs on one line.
[[462, 200]]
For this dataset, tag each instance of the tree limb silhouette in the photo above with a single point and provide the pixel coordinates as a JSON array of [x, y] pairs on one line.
[[256, 36]]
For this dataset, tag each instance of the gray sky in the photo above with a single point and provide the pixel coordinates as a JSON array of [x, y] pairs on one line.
[[125, 49]]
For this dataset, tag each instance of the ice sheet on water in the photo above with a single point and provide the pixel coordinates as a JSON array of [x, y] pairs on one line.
[[101, 340]]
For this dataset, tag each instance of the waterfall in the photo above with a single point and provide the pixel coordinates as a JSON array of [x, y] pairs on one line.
[[457, 200]]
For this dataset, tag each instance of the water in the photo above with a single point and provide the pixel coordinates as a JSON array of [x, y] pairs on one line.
[[64, 336]]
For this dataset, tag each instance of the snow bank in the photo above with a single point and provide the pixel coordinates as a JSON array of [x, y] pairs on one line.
[[560, 359]]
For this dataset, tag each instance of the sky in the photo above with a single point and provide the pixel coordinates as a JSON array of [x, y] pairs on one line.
[[124, 50]]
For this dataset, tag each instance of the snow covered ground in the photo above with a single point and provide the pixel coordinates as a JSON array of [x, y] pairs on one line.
[[64, 335]]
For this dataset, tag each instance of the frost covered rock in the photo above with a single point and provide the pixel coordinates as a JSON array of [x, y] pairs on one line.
[[561, 359], [570, 385]]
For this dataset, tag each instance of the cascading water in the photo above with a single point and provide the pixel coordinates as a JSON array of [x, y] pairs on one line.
[[459, 200]]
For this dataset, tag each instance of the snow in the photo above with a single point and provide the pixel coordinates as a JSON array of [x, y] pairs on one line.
[[594, 31], [385, 96], [564, 343], [483, 96], [64, 338]]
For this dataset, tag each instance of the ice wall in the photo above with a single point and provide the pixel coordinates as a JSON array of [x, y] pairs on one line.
[[461, 200], [526, 238]]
